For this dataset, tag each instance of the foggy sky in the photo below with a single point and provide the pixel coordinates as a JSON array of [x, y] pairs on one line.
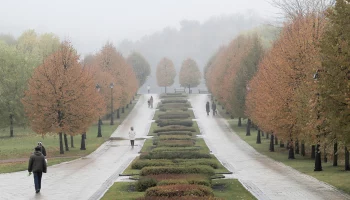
[[88, 24]]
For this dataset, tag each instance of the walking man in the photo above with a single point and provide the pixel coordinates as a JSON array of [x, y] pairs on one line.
[[132, 135], [148, 88], [37, 165], [151, 102], [213, 107], [42, 149], [207, 108]]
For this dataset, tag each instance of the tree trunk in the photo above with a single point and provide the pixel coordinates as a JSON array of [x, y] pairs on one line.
[[61, 143], [66, 142], [335, 154], [325, 154], [258, 138], [272, 146], [239, 122], [127, 106], [82, 144], [302, 149], [262, 134], [11, 125], [123, 109], [71, 141], [347, 163], [248, 128], [313, 153], [318, 164], [281, 144], [291, 150], [288, 145], [118, 114], [297, 146], [99, 130], [267, 135], [276, 140]]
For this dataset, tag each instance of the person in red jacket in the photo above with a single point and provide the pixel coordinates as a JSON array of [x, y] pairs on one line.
[[37, 165]]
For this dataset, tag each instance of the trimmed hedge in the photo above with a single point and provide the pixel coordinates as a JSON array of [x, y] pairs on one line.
[[177, 170], [166, 122], [180, 198], [175, 155], [174, 115], [160, 177], [166, 101], [144, 183], [174, 137], [184, 181], [179, 190], [141, 163], [176, 143], [175, 149], [175, 133], [174, 128], [169, 109]]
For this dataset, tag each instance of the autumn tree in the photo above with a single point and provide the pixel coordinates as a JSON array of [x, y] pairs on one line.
[[189, 76], [61, 96], [333, 78], [140, 66], [165, 73]]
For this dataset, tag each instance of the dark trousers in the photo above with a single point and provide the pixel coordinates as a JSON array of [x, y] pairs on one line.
[[37, 180], [132, 142]]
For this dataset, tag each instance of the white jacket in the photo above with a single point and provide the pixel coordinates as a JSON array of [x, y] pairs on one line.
[[132, 135]]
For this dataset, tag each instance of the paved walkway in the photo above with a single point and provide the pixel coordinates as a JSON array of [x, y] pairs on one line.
[[88, 177], [262, 176]]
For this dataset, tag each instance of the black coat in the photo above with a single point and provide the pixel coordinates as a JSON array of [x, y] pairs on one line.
[[37, 163], [207, 107], [43, 150]]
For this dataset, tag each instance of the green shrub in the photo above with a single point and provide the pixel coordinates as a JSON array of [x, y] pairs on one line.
[[175, 155], [175, 133], [174, 137], [176, 143], [185, 181], [166, 101], [170, 109], [141, 163], [160, 177], [177, 170], [174, 128], [179, 190], [180, 198], [174, 115], [162, 149], [144, 183], [167, 122]]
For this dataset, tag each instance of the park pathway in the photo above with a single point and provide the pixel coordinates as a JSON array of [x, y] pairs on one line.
[[262, 176], [88, 177]]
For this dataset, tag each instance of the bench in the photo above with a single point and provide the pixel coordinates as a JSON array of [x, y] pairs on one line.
[[202, 91], [179, 90]]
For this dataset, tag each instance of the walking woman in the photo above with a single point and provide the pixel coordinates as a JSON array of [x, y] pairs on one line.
[[132, 135]]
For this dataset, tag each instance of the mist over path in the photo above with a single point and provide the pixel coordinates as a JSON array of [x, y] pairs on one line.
[[262, 176]]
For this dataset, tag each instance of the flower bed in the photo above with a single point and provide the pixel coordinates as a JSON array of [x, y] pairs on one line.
[[174, 128], [179, 190], [165, 122], [200, 169], [175, 133]]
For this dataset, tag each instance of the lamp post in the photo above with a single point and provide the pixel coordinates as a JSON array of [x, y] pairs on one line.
[[112, 120], [99, 131], [318, 164]]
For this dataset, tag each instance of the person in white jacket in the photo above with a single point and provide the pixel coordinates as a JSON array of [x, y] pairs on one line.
[[132, 135]]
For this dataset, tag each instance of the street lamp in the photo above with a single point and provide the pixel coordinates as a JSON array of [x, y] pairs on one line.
[[99, 131], [318, 164], [111, 86]]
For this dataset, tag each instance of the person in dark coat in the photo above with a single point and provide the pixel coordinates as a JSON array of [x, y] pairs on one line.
[[207, 108], [37, 166], [213, 107], [42, 148]]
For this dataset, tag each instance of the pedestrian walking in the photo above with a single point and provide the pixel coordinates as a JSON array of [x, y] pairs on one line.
[[213, 107], [37, 166], [132, 135], [151, 102], [207, 108], [42, 150], [148, 88]]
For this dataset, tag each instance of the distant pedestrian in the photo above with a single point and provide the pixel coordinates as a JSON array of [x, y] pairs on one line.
[[148, 88], [213, 107], [37, 166], [151, 101], [207, 108], [132, 135], [42, 149]]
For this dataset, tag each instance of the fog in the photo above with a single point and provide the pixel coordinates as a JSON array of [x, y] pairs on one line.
[[177, 29]]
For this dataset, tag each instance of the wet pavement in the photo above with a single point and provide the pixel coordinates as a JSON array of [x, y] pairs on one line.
[[262, 176], [88, 177]]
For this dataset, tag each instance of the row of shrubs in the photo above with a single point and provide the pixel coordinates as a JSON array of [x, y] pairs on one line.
[[167, 122], [175, 168], [141, 163]]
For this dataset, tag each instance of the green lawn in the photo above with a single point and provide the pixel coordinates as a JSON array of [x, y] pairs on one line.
[[122, 190], [230, 189], [335, 176], [22, 144]]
